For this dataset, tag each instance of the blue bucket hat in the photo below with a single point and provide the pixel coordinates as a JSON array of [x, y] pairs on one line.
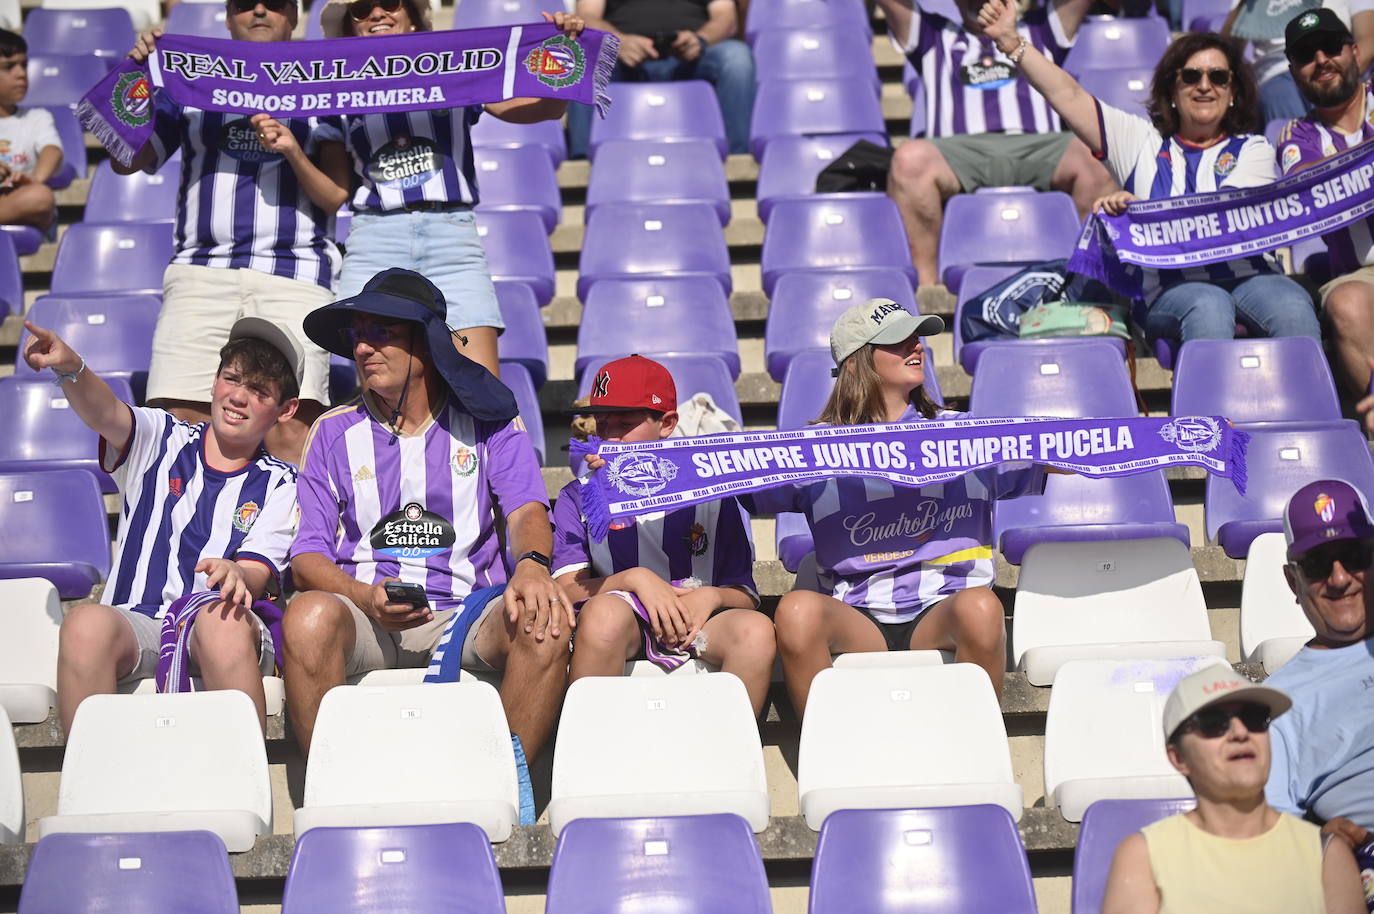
[[407, 296]]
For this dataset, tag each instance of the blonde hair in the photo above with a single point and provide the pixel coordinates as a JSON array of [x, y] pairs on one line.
[[857, 397]]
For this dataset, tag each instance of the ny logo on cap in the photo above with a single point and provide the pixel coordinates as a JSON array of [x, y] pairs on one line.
[[603, 381], [883, 311]]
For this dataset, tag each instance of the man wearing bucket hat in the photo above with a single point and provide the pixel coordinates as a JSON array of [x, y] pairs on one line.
[[401, 487], [1234, 852]]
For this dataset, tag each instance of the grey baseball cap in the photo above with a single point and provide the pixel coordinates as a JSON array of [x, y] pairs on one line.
[[274, 335], [881, 321]]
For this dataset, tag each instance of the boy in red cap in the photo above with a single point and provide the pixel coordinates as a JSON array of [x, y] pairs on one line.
[[664, 586]]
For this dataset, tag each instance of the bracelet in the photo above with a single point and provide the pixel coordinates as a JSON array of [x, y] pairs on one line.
[[1019, 51], [64, 376], [701, 39]]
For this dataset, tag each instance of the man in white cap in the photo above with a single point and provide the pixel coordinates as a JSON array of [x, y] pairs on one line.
[[1234, 852]]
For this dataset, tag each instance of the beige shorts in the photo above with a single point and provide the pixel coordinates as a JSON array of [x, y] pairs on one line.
[[200, 304], [375, 648], [148, 634], [1363, 274]]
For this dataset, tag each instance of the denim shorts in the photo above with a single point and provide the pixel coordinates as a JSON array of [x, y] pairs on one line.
[[441, 245]]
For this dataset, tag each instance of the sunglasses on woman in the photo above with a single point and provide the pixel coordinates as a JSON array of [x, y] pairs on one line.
[[1191, 76], [1330, 45], [1354, 556], [1211, 723], [361, 9], [247, 6]]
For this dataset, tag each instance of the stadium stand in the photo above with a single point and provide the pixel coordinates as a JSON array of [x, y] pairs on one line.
[[134, 198], [806, 304], [521, 381], [107, 32], [45, 433], [661, 112], [1011, 225], [791, 164], [52, 525], [682, 315], [833, 53], [639, 240], [1273, 626], [518, 179], [195, 19], [838, 232], [546, 135], [1105, 823], [1262, 380], [11, 786], [644, 171], [518, 250], [524, 339], [60, 79], [769, 15], [1107, 42], [812, 107], [28, 675]]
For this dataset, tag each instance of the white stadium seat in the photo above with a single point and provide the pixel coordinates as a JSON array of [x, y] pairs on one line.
[[869, 659], [1103, 734], [274, 690], [889, 737], [1273, 626], [1105, 600], [30, 615], [423, 754], [658, 746], [11, 786], [194, 760]]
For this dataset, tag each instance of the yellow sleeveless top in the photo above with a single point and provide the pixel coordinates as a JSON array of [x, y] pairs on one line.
[[1279, 871]]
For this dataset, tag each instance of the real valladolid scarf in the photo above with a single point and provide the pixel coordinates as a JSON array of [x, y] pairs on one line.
[[448, 69], [673, 472], [1199, 229]]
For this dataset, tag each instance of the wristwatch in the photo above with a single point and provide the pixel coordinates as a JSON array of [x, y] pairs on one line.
[[539, 557]]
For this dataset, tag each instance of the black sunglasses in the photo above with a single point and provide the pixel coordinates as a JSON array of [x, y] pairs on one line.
[[247, 6], [1354, 556], [1330, 45], [1211, 723], [1217, 76], [361, 9]]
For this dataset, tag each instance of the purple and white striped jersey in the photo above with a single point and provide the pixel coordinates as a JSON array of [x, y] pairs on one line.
[[1307, 141], [418, 507], [970, 86], [240, 206], [405, 158], [894, 551], [178, 510], [709, 541]]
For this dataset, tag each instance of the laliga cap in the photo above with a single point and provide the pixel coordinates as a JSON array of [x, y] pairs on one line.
[[633, 382], [1217, 685], [1324, 511], [878, 320], [259, 328]]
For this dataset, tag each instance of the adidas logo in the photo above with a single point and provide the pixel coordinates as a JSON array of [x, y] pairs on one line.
[[364, 475]]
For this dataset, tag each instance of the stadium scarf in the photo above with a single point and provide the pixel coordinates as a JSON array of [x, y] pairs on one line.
[[673, 472], [1189, 231], [174, 647], [450, 69]]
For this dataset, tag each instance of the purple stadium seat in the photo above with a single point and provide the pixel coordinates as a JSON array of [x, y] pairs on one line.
[[1005, 225], [25, 238], [805, 305], [313, 29], [1273, 129], [113, 333], [1071, 378], [518, 250], [518, 178], [813, 107], [661, 111], [1255, 380], [792, 539], [639, 240], [692, 374], [1105, 42], [11, 278], [1104, 826], [1205, 15], [45, 433], [686, 315], [108, 32], [952, 859], [73, 142], [52, 525], [61, 79], [343, 379], [206, 19], [524, 340], [975, 282], [547, 135], [479, 14], [164, 871], [517, 377], [112, 259], [791, 164], [816, 53], [773, 15], [643, 171], [838, 232], [138, 197], [419, 869], [684, 864], [1127, 88], [1283, 457]]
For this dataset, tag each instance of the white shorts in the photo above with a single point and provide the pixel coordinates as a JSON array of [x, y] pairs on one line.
[[200, 305]]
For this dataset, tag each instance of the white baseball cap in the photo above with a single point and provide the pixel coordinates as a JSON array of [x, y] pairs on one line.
[[1217, 685], [881, 321], [259, 328]]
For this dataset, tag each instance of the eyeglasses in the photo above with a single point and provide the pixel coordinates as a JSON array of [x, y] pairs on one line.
[[247, 6], [1211, 723], [373, 334], [1217, 76], [1354, 556], [361, 9], [1330, 45]]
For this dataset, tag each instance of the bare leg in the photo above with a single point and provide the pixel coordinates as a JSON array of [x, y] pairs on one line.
[[33, 204], [812, 626], [919, 182], [739, 641], [318, 636], [286, 440], [480, 347], [535, 676], [972, 624], [95, 645], [1080, 175], [225, 646], [1349, 312], [607, 636]]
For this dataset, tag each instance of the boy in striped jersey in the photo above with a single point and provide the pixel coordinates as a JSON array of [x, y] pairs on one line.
[[205, 508], [662, 580]]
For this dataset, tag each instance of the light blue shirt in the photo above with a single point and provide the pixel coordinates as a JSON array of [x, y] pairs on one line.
[[1323, 749]]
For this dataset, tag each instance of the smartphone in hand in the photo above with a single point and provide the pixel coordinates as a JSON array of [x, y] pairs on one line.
[[398, 592]]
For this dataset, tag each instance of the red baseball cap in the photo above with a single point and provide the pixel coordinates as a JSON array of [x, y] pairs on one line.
[[633, 382]]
